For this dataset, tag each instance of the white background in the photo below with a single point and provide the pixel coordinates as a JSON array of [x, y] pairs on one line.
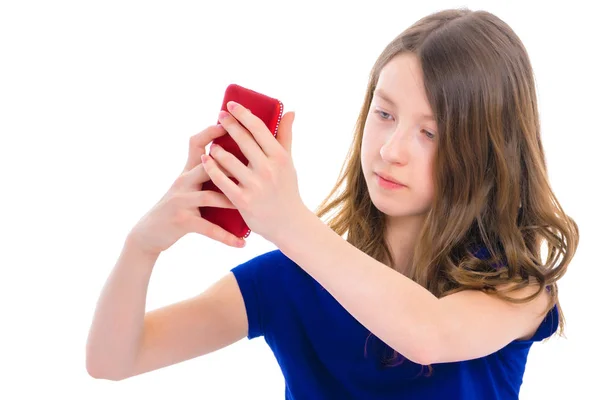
[[98, 100]]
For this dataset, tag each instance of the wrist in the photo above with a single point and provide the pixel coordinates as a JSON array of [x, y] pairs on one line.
[[294, 227], [134, 246]]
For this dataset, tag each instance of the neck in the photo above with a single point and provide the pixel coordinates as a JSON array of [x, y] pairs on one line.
[[401, 236]]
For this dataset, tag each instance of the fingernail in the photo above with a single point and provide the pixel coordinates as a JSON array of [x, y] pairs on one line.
[[223, 115], [232, 105]]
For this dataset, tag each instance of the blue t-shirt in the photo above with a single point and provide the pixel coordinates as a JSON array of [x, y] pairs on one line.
[[324, 353]]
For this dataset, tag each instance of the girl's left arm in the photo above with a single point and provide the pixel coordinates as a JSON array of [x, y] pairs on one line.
[[406, 316], [403, 314]]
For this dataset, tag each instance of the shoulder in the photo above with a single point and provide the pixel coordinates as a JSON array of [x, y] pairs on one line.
[[533, 313], [541, 315], [272, 265], [274, 276], [539, 312], [267, 283]]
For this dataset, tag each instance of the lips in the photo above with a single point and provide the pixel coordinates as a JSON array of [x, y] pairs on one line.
[[389, 178]]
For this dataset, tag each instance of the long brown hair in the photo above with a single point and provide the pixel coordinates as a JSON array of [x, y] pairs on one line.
[[490, 178]]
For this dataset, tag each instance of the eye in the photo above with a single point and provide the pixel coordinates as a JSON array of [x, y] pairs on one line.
[[429, 135], [383, 115]]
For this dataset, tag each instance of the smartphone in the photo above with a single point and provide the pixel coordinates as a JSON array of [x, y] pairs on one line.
[[269, 110]]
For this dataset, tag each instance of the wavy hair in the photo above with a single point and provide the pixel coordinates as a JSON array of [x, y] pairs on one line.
[[490, 178]]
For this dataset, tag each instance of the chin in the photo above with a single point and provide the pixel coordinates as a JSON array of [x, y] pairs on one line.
[[396, 208], [399, 212]]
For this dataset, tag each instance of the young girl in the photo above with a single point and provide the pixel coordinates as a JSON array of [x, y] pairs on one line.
[[455, 240]]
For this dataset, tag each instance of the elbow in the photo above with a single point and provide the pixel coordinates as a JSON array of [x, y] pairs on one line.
[[423, 353], [100, 370], [100, 373], [419, 348], [428, 345], [105, 375], [435, 345], [100, 365]]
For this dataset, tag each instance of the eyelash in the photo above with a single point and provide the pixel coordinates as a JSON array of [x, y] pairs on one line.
[[380, 113]]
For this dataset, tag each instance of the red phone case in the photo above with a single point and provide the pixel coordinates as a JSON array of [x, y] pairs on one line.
[[269, 110]]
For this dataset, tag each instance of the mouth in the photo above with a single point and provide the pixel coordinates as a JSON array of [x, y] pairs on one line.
[[388, 182], [389, 179]]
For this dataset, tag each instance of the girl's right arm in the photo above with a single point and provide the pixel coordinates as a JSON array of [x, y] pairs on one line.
[[123, 339]]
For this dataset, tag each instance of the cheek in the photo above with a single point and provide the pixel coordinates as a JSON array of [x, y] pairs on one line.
[[370, 142], [428, 185], [366, 147]]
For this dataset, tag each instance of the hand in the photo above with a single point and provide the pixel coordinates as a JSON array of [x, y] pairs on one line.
[[177, 213], [267, 194]]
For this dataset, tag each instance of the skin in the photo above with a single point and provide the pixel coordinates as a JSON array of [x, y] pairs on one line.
[[399, 142], [406, 316]]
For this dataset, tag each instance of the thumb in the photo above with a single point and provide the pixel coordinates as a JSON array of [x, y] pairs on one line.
[[284, 134]]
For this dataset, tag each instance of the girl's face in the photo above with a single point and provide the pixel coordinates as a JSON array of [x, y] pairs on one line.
[[399, 141]]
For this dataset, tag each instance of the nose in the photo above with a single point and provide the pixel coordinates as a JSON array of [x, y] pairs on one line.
[[397, 148]]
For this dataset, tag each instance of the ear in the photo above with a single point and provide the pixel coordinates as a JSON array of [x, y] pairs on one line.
[[284, 133]]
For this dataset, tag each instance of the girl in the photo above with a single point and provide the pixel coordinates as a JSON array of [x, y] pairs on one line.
[[455, 241]]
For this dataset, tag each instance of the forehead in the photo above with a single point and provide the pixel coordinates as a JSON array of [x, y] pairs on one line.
[[403, 67], [402, 78]]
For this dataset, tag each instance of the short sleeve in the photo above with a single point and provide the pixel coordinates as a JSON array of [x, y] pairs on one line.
[[256, 279], [548, 326]]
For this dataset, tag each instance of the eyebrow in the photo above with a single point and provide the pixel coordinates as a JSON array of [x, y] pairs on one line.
[[386, 97]]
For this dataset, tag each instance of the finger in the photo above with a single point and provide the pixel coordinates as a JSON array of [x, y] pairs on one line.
[[207, 198], [196, 176], [230, 164], [227, 186], [198, 144], [256, 127], [242, 138], [284, 135], [213, 231]]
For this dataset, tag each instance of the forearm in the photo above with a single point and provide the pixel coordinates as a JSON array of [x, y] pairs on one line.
[[394, 308], [116, 331]]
